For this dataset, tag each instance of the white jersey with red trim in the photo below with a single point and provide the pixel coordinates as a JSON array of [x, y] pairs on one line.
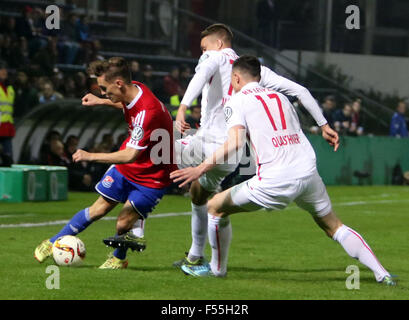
[[213, 79], [214, 69], [282, 151]]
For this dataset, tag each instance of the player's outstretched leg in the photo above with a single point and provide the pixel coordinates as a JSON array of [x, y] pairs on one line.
[[141, 201], [126, 219], [220, 235], [78, 223], [354, 245], [199, 224], [133, 239]]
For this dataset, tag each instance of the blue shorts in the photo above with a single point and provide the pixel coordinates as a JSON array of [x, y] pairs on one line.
[[114, 186]]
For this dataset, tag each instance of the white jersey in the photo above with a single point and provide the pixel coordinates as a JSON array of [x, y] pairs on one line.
[[213, 79], [214, 69], [282, 150]]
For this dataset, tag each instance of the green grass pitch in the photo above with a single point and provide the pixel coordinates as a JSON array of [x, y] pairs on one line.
[[274, 255]]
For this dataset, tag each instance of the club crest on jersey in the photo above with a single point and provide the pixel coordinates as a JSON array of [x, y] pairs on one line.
[[107, 182], [137, 133], [228, 111]]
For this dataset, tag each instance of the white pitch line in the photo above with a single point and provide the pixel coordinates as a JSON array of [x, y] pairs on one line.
[[356, 203], [63, 222], [17, 215], [175, 214]]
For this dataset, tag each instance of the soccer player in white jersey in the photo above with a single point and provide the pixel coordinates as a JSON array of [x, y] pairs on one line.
[[213, 79], [286, 172]]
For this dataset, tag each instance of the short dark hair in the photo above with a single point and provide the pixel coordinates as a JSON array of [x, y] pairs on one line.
[[248, 64], [112, 68], [219, 29]]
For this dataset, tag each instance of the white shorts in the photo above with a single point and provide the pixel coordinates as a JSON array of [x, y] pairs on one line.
[[309, 193], [193, 150]]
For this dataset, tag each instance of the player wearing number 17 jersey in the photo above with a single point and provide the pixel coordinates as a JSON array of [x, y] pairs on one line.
[[213, 80], [286, 172]]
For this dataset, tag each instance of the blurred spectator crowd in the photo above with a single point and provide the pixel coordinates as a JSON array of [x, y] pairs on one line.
[[31, 53], [38, 66], [82, 176], [32, 60], [349, 120]]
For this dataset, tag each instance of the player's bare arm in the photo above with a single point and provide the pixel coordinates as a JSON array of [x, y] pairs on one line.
[[90, 100], [235, 141], [127, 155], [181, 124]]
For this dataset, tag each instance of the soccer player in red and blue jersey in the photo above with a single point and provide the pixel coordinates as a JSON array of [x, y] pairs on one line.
[[140, 171]]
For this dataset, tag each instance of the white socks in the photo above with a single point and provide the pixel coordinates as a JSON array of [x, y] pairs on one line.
[[139, 228], [199, 231], [220, 234], [357, 248]]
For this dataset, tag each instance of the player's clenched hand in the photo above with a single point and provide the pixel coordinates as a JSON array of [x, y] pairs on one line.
[[331, 136], [186, 175], [91, 100], [81, 155]]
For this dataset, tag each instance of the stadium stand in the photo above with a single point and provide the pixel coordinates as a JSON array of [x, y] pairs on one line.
[[41, 50]]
